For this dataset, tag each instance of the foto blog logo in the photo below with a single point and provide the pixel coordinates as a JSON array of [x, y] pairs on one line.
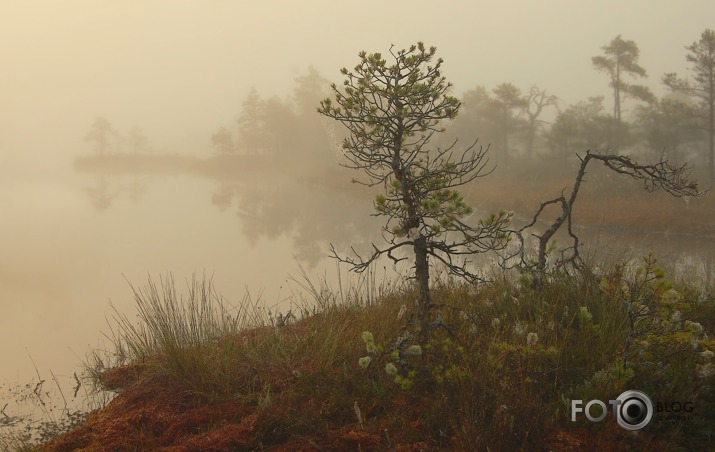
[[632, 410]]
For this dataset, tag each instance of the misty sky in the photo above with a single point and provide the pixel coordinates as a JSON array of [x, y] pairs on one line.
[[180, 69]]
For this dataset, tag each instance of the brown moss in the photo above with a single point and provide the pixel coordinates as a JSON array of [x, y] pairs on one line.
[[122, 377], [156, 413]]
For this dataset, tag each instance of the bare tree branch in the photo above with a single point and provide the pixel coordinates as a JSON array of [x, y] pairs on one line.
[[662, 175]]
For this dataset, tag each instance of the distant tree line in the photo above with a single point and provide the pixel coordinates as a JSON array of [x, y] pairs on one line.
[[521, 125], [105, 138], [518, 125], [680, 124], [287, 128]]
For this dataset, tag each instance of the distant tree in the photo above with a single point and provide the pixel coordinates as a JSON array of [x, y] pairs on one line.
[[310, 133], [669, 125], [222, 141], [508, 98], [478, 118], [101, 133], [580, 127], [619, 60], [392, 111], [286, 127], [701, 56], [136, 139], [535, 103], [309, 89], [490, 116], [281, 128], [252, 127]]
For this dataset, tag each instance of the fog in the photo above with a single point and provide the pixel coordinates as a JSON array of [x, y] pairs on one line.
[[180, 71]]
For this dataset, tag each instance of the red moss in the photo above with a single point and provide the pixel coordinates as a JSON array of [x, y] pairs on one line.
[[158, 413], [121, 377]]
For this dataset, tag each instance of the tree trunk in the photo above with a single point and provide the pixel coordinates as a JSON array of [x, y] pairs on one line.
[[422, 272], [412, 221], [530, 139], [711, 136], [505, 137], [617, 92], [425, 299]]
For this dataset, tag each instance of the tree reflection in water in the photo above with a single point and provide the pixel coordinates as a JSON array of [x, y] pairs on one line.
[[307, 209]]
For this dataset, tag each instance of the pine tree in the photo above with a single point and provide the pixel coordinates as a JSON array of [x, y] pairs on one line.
[[392, 111]]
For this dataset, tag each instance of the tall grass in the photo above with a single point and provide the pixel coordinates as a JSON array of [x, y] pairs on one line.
[[199, 338], [181, 328]]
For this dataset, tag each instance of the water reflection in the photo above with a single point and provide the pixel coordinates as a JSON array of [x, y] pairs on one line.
[[103, 192], [100, 194], [138, 188], [313, 205]]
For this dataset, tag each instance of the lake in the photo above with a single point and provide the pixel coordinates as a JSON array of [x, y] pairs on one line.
[[72, 242]]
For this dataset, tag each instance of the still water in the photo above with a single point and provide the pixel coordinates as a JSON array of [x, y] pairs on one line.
[[63, 258]]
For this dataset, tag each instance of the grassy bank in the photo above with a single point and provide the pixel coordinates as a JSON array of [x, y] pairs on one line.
[[197, 375]]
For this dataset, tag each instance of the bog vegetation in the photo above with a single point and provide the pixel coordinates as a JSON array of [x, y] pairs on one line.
[[326, 376]]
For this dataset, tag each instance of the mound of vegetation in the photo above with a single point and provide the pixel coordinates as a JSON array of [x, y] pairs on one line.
[[500, 371]]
